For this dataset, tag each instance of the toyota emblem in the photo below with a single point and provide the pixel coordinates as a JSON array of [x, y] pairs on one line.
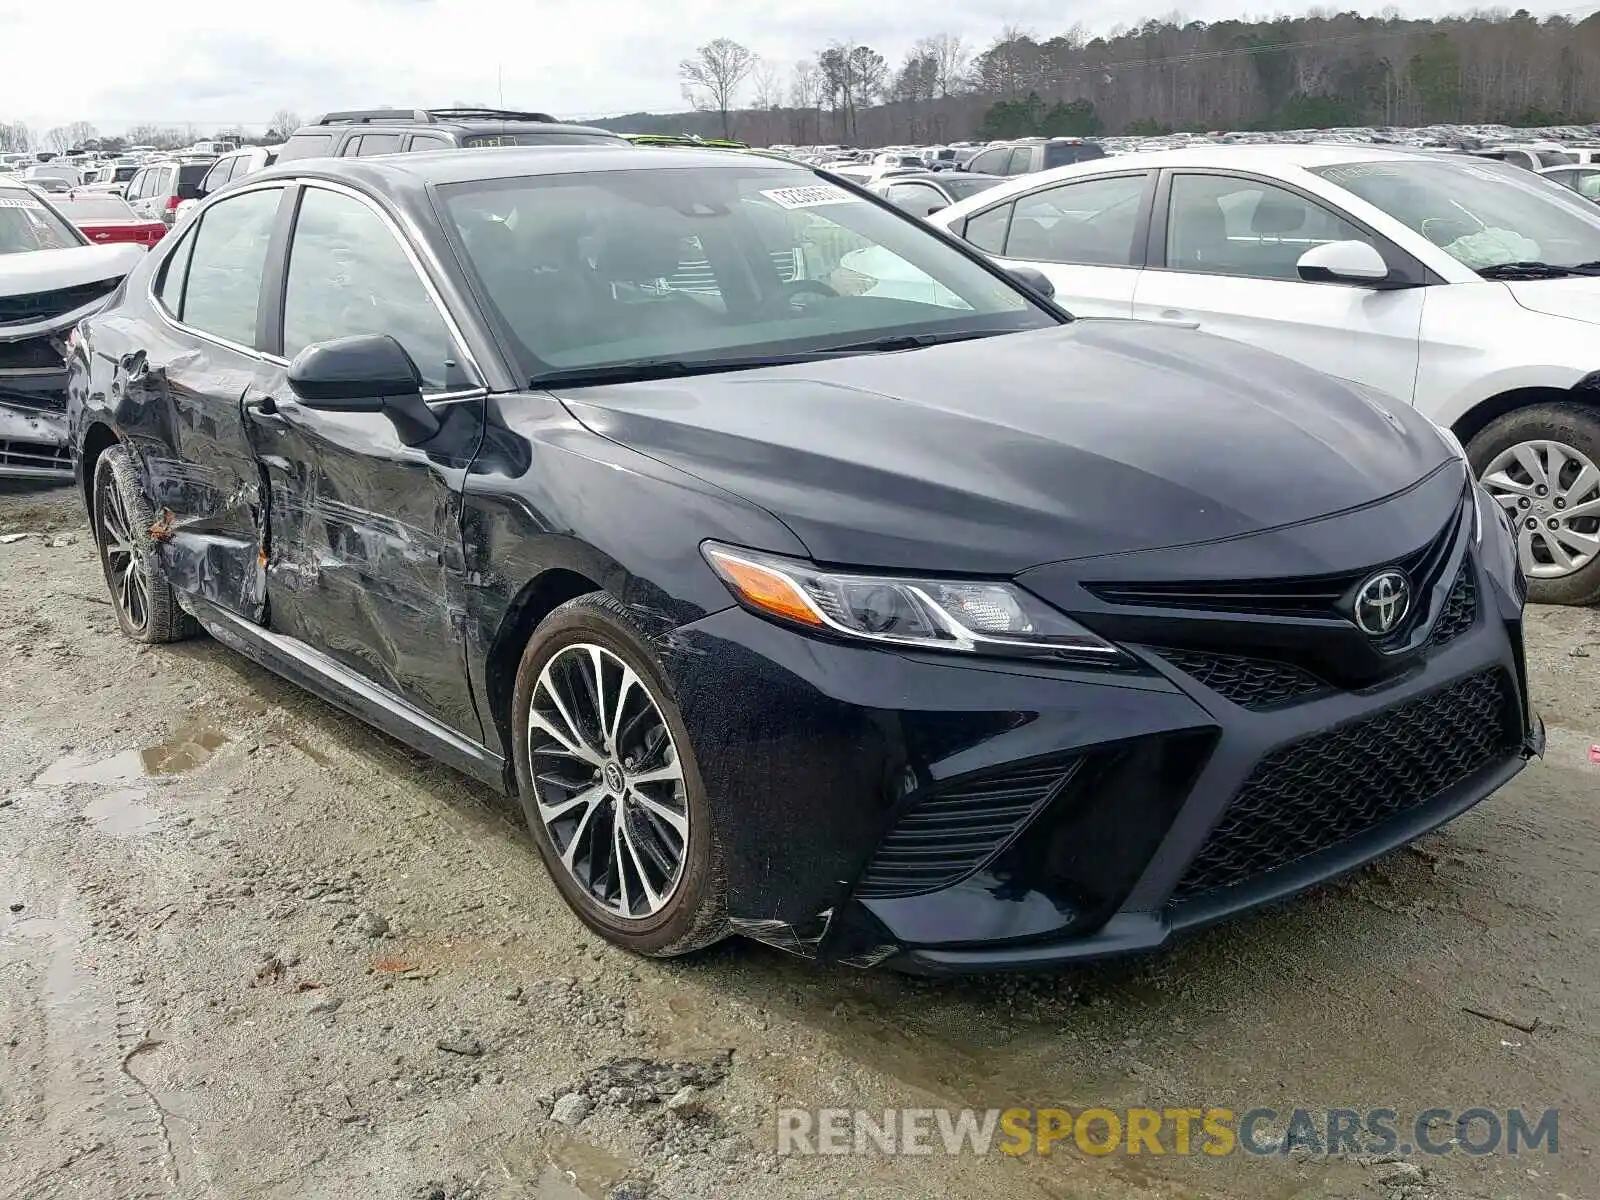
[[1382, 602]]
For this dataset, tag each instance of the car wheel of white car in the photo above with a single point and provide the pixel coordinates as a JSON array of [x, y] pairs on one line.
[[1542, 464]]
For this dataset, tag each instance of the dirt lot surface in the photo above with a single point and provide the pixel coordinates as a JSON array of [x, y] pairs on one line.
[[254, 949]]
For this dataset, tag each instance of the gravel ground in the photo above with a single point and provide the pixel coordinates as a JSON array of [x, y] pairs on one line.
[[254, 949]]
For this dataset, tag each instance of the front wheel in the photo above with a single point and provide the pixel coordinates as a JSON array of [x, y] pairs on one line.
[[1542, 465], [121, 518], [610, 784]]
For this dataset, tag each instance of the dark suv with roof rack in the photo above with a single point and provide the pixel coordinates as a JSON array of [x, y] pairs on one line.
[[365, 132]]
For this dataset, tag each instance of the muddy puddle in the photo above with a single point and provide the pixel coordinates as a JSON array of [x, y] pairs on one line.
[[579, 1171], [183, 750]]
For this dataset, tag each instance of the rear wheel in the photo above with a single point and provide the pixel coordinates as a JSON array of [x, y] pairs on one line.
[[610, 785], [141, 597], [1542, 465]]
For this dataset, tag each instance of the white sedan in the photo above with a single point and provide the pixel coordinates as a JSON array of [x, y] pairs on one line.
[[1467, 288]]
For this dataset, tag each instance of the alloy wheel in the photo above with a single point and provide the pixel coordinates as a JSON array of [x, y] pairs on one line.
[[608, 781], [1551, 492], [126, 567]]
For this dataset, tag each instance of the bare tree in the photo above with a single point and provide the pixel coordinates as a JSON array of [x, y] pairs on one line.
[[805, 98], [79, 132], [15, 136], [58, 139], [952, 61], [712, 77], [284, 122]]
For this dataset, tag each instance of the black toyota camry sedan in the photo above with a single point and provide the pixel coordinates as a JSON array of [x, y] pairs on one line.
[[805, 575]]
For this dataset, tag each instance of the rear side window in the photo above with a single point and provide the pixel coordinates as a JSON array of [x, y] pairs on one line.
[[218, 175], [427, 141], [987, 230], [189, 177], [1061, 154], [1089, 221], [307, 145], [169, 287], [225, 266], [990, 162], [1021, 161], [378, 143]]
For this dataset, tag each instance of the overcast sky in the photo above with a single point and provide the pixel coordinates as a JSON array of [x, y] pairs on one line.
[[215, 63]]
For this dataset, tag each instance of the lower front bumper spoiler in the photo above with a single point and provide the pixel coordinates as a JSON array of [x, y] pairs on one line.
[[1133, 933]]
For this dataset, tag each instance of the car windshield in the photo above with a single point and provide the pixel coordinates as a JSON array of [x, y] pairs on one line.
[[1482, 214], [700, 264], [26, 224], [95, 208]]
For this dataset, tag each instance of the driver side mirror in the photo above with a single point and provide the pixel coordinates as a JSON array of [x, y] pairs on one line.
[[937, 208], [1034, 280], [1343, 262], [369, 372]]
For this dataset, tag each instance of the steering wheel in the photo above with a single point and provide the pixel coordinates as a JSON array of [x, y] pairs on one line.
[[789, 290]]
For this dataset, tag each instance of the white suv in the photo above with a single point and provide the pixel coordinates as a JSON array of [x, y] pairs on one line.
[[1465, 287]]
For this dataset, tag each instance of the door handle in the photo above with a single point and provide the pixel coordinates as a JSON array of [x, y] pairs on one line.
[[1176, 319], [264, 409]]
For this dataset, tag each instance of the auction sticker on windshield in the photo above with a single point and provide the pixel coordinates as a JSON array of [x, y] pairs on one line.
[[19, 202], [811, 196]]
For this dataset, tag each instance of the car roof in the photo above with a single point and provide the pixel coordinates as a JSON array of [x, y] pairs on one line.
[[511, 162]]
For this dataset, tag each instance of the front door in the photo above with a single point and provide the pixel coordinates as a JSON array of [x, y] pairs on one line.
[[364, 558], [1085, 235], [202, 358], [1228, 266]]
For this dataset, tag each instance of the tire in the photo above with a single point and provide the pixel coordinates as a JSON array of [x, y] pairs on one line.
[[616, 901], [141, 596], [1572, 428]]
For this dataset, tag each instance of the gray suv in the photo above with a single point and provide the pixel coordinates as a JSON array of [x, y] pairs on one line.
[[403, 130]]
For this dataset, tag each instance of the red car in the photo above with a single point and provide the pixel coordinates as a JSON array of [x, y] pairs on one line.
[[105, 219]]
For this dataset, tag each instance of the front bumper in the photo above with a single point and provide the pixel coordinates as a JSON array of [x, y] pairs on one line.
[[33, 440], [950, 815]]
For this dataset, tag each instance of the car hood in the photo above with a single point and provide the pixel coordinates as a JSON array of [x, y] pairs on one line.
[[994, 455], [1577, 298], [31, 271]]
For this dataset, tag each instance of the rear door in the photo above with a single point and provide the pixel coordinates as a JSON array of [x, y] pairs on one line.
[[1223, 259], [204, 355], [364, 560], [1086, 235]]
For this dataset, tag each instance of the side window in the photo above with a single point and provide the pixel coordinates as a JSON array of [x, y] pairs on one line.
[[990, 162], [225, 266], [307, 145], [348, 274], [987, 230], [1222, 226], [351, 148], [426, 141], [218, 175], [379, 143], [1091, 221], [168, 181], [131, 191], [169, 288], [1021, 161]]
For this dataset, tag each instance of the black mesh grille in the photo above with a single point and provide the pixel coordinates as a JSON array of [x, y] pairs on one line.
[[30, 354], [1460, 609], [950, 834], [1314, 794], [39, 306], [34, 456], [1254, 683]]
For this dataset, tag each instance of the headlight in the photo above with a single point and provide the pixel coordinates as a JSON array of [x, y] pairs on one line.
[[970, 616]]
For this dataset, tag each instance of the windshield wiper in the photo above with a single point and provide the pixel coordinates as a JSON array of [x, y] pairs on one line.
[[666, 368], [1536, 270], [913, 341]]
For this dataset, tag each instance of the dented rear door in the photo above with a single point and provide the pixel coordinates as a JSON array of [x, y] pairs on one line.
[[189, 380]]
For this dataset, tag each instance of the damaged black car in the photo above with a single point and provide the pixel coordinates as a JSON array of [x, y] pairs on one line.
[[802, 573], [51, 277]]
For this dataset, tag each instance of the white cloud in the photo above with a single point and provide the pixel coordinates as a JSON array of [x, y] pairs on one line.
[[217, 64]]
